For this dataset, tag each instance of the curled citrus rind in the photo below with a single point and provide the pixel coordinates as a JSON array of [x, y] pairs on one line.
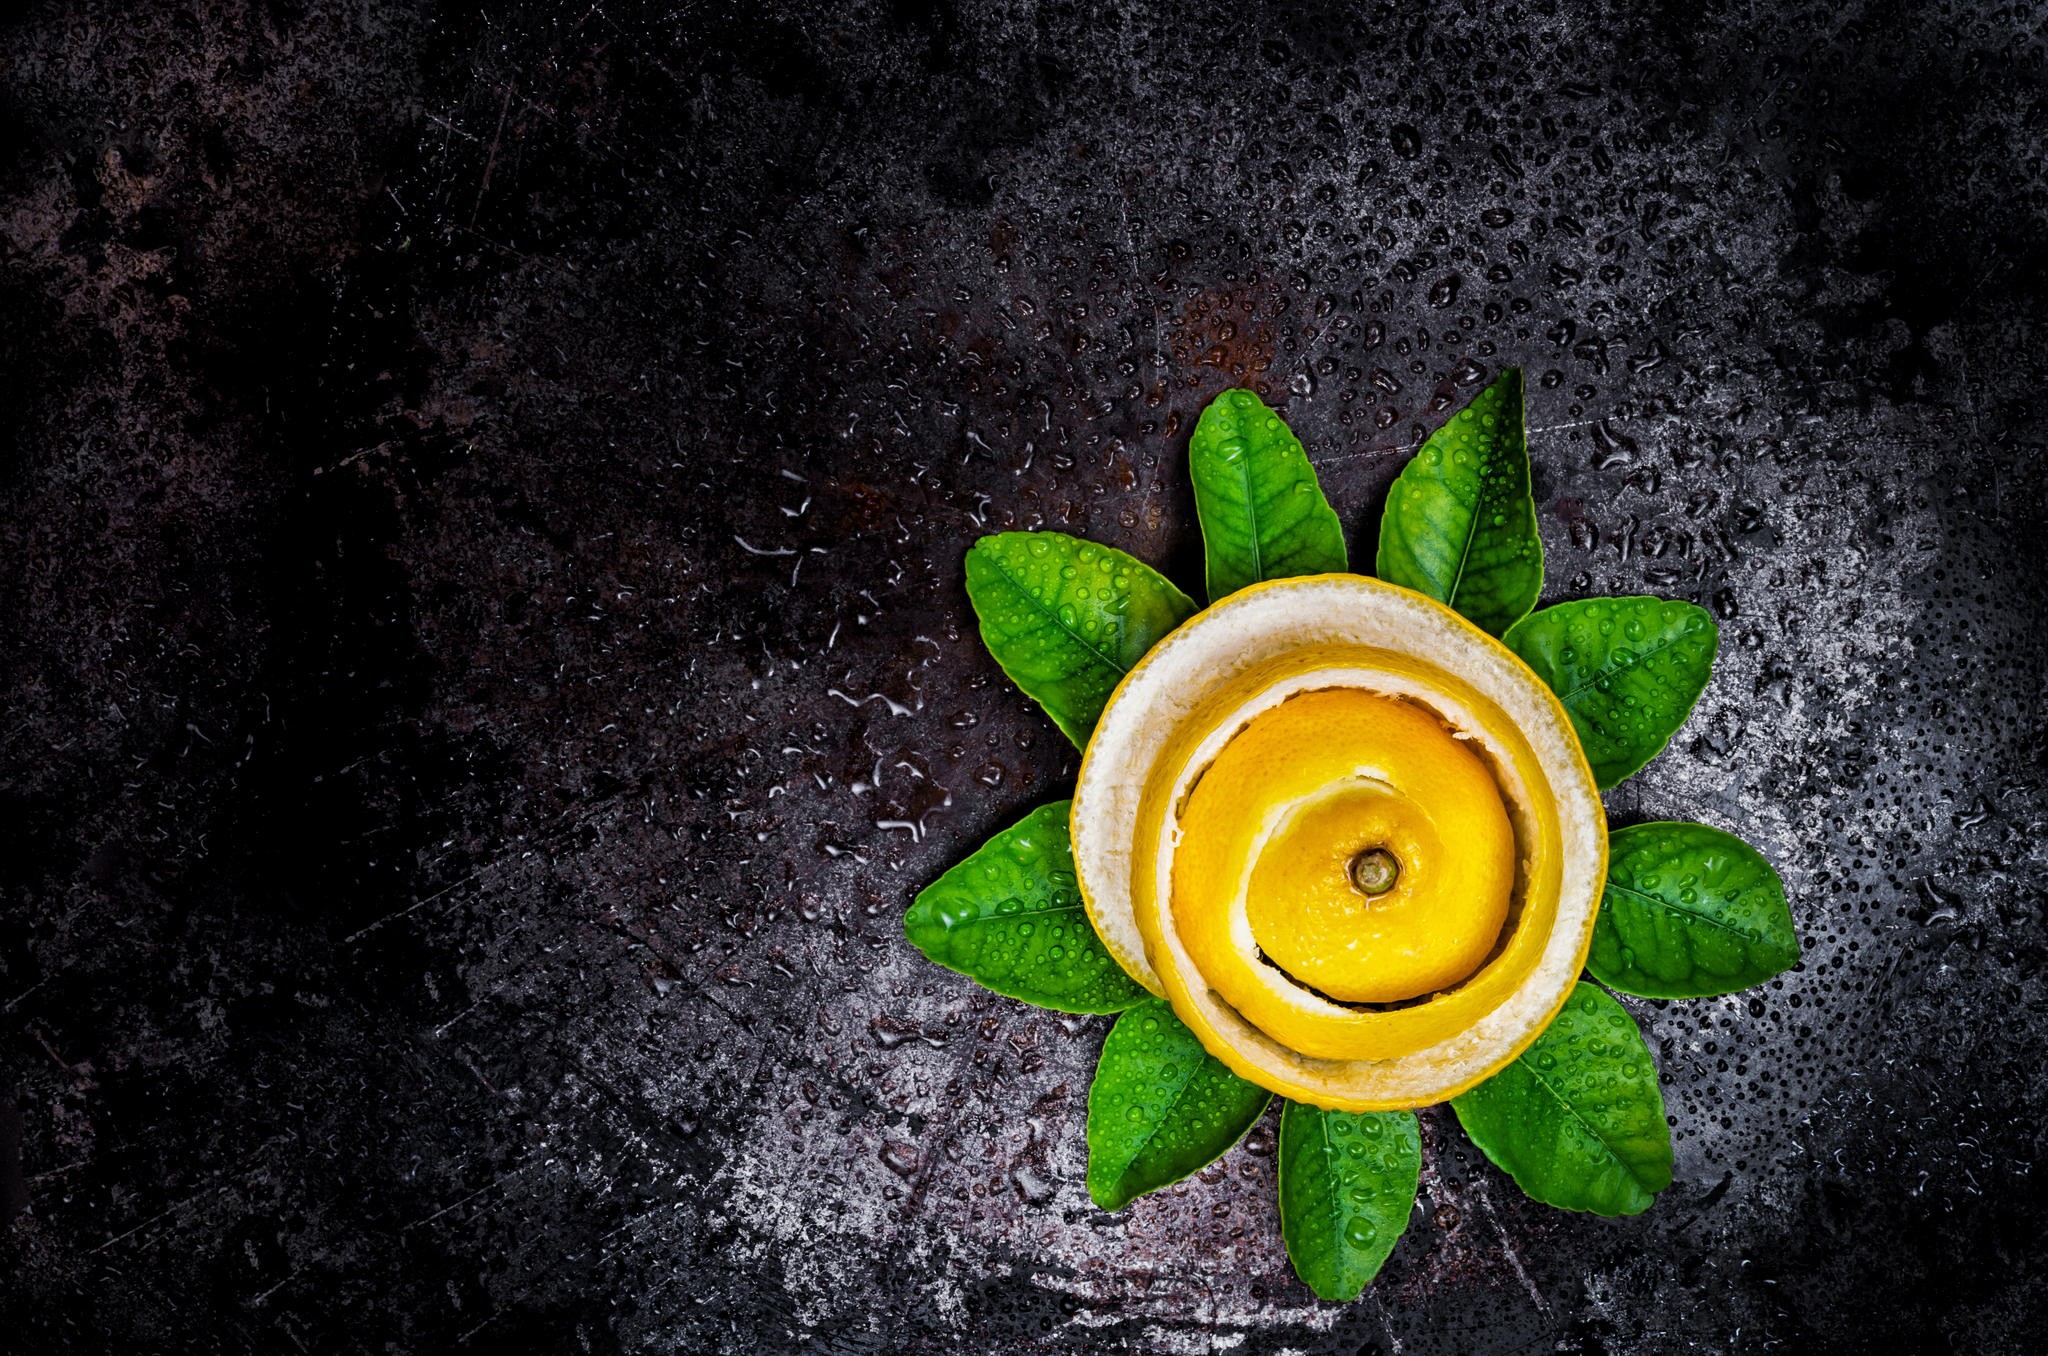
[[1348, 835]]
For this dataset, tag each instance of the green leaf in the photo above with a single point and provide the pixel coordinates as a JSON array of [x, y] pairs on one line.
[[1347, 1186], [1689, 912], [1577, 1121], [1010, 918], [1262, 510], [1068, 618], [1161, 1107], [1460, 525], [1627, 670]]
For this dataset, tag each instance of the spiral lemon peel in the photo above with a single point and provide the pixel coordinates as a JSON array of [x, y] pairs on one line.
[[1328, 778], [1241, 767]]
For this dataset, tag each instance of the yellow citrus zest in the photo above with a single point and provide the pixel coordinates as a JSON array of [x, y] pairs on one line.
[[1291, 1015], [1350, 837], [1269, 835]]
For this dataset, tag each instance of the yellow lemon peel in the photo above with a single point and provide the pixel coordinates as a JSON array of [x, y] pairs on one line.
[[1251, 758], [1306, 790]]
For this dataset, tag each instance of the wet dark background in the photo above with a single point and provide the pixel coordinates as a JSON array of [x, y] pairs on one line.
[[483, 662]]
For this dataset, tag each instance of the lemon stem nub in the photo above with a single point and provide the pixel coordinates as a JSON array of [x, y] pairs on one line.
[[1375, 870]]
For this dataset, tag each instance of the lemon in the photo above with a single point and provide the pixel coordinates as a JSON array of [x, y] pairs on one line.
[[1348, 835]]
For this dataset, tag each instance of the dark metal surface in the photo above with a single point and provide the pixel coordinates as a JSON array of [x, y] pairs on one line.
[[484, 664]]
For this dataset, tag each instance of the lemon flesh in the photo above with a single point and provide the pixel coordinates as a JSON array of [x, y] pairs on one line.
[[1271, 831], [1253, 756]]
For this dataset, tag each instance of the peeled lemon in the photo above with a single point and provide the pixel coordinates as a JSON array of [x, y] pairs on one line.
[[1348, 835]]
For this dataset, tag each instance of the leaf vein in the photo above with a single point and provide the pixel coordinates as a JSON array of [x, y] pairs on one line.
[[1465, 552], [1158, 1124], [1251, 513], [1685, 912], [1051, 615], [983, 921], [1330, 1175], [1588, 1127], [1636, 659]]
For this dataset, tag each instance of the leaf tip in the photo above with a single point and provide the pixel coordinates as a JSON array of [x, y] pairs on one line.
[[1105, 1195], [917, 920], [1333, 1294]]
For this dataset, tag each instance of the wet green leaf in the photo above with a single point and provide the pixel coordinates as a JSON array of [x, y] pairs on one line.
[[1161, 1107], [1010, 918], [1262, 510], [1577, 1120], [1460, 525], [1347, 1186], [1689, 912], [1068, 618], [1628, 671]]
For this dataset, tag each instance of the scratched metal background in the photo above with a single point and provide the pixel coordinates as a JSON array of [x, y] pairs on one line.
[[483, 662]]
